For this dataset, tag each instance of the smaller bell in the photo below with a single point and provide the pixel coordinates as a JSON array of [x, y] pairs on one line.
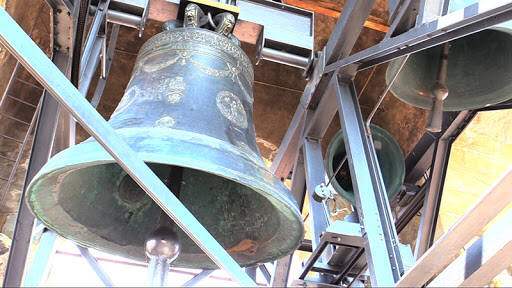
[[479, 72], [389, 155]]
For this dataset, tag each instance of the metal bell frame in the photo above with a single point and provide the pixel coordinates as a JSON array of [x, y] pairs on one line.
[[427, 33]]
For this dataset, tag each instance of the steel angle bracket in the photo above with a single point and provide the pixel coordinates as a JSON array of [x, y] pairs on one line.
[[347, 239]]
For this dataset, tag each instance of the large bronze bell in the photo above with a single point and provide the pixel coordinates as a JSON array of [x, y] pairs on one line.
[[389, 155], [479, 72], [188, 104]]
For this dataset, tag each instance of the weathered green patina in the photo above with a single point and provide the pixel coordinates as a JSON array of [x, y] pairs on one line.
[[389, 155], [188, 104], [479, 72]]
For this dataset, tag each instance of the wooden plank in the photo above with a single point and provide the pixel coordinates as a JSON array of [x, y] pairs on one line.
[[372, 22], [471, 223], [480, 263]]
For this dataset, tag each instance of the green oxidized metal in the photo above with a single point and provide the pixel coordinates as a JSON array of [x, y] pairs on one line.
[[479, 72], [188, 104], [389, 155]]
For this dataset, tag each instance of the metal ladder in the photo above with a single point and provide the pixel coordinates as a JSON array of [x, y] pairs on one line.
[[11, 98], [21, 95]]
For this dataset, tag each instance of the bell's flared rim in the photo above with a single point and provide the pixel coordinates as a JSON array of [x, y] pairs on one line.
[[450, 103], [378, 134], [261, 180]]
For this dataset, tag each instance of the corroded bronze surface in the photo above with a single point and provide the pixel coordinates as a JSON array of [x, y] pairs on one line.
[[188, 104]]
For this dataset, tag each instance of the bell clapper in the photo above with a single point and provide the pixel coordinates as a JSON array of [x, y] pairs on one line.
[[439, 92], [163, 246]]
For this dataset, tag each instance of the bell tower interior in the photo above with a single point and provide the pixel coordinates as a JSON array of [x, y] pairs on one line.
[[330, 143]]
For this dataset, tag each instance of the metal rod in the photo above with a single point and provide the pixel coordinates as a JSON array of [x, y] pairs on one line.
[[110, 54], [383, 95], [337, 170], [11, 80], [284, 58], [281, 272], [312, 260], [7, 158], [158, 270], [93, 32], [93, 263], [347, 268], [20, 155], [10, 138], [251, 271], [124, 19], [266, 274], [15, 119], [104, 55], [314, 166], [37, 63], [21, 101], [28, 83], [439, 92], [357, 276], [198, 278], [90, 66]]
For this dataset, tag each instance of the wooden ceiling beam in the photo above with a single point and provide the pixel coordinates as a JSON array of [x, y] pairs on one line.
[[372, 22]]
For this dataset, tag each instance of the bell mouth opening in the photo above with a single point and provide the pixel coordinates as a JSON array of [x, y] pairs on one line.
[[478, 72], [101, 206], [343, 176], [389, 156], [215, 173]]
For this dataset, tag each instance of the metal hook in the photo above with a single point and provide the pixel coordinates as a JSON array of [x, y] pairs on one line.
[[210, 20]]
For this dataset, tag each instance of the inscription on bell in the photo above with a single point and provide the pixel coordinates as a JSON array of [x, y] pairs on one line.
[[172, 89], [231, 107], [165, 122]]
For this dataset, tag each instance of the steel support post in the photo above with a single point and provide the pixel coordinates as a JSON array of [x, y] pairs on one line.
[[347, 29], [486, 208], [251, 272], [93, 263], [298, 189], [36, 62], [284, 160], [381, 241], [39, 268], [432, 200], [266, 274], [434, 190], [281, 272], [483, 260], [319, 215]]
